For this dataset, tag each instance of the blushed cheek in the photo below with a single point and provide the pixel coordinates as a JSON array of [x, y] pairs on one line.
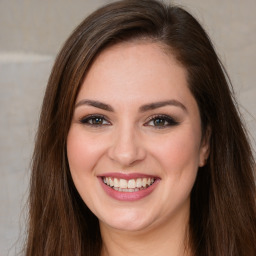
[[83, 152], [179, 152], [77, 154]]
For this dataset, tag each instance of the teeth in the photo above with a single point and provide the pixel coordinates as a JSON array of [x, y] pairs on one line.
[[131, 185], [116, 183], [144, 182], [123, 183], [138, 183], [111, 182]]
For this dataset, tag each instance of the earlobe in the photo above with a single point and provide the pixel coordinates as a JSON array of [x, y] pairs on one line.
[[205, 148]]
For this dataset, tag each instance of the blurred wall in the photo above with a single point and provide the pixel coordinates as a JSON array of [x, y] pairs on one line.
[[32, 32]]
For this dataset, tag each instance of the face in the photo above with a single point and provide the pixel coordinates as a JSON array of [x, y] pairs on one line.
[[134, 145]]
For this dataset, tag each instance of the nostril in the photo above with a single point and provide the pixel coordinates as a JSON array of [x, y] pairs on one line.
[[127, 147], [124, 158]]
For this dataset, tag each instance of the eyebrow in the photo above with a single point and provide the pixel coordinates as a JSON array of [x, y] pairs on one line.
[[155, 105], [143, 108], [96, 104]]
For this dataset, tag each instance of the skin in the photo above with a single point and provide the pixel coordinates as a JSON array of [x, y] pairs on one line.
[[128, 140]]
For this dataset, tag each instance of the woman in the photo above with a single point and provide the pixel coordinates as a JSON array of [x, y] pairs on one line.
[[140, 149]]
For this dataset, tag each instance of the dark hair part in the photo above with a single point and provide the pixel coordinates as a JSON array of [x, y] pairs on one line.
[[223, 211]]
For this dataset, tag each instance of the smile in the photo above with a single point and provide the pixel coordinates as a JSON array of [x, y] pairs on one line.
[[131, 185]]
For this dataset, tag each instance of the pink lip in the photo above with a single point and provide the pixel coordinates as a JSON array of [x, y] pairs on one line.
[[128, 196]]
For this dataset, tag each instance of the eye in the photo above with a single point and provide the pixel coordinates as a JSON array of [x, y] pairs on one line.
[[94, 120], [161, 121]]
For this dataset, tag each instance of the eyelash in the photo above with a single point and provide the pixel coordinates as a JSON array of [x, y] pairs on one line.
[[88, 120], [165, 122], [168, 121]]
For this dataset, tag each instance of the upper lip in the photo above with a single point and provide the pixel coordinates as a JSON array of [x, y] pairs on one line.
[[127, 176]]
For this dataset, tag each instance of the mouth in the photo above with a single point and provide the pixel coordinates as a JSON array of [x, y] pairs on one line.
[[130, 186]]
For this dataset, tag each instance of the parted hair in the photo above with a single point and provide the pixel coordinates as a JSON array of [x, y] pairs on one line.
[[223, 209]]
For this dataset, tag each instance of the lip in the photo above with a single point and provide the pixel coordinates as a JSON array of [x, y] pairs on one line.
[[128, 196]]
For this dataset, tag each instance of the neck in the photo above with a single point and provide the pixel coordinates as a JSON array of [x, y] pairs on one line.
[[166, 238]]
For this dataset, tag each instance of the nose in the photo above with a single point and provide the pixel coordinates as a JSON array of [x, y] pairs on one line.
[[127, 147]]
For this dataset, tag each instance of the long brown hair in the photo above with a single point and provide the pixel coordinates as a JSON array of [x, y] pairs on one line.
[[223, 211]]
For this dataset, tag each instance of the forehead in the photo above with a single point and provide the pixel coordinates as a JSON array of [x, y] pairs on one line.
[[141, 67]]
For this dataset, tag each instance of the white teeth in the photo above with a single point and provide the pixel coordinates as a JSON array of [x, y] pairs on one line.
[[116, 183], [131, 185], [144, 182], [138, 183], [111, 182], [123, 183]]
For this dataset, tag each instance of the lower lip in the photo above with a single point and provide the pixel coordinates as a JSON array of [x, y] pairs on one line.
[[128, 196]]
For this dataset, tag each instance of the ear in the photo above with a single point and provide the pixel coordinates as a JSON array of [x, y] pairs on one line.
[[205, 147]]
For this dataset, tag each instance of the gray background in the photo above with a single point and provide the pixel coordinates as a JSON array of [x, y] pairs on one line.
[[32, 32]]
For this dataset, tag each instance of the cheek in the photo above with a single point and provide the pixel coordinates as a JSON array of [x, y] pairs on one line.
[[179, 151], [82, 152]]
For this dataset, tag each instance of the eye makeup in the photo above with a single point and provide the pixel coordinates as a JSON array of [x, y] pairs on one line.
[[161, 121], [95, 120]]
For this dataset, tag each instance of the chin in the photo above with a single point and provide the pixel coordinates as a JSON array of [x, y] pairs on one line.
[[127, 221]]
